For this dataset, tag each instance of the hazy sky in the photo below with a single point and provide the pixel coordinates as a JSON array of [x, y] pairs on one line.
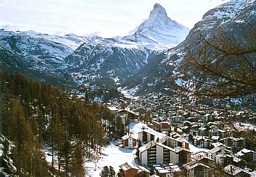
[[105, 17]]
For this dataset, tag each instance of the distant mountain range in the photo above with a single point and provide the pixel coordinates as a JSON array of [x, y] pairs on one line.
[[157, 57], [93, 60]]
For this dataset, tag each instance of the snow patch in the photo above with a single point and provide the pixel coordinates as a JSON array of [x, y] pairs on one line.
[[112, 155]]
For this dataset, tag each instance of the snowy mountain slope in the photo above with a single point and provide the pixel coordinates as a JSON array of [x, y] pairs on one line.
[[223, 40], [111, 61], [41, 52], [159, 31], [105, 63]]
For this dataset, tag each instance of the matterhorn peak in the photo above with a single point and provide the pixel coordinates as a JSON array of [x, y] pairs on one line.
[[159, 31], [158, 12]]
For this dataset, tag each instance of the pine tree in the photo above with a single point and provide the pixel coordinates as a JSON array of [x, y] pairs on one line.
[[112, 172], [77, 168], [105, 172]]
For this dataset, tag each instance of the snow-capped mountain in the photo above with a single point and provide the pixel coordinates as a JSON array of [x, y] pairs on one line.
[[102, 62], [111, 61], [39, 56], [93, 60], [159, 31], [220, 46], [41, 52]]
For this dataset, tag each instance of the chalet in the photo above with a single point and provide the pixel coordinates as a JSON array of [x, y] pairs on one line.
[[203, 167], [214, 131], [161, 126], [236, 144], [130, 141], [201, 141], [198, 170], [224, 159], [193, 119], [187, 123], [202, 131], [168, 171], [234, 171], [129, 170], [177, 120], [247, 155], [215, 139], [185, 129], [194, 129], [162, 171], [219, 150], [127, 115]]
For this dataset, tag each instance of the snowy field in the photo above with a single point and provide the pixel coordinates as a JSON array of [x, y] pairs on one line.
[[112, 156]]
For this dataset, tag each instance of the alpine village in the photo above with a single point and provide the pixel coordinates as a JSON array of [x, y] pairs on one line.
[[163, 101]]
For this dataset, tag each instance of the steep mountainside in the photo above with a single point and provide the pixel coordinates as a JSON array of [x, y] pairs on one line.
[[40, 52], [111, 61], [13, 62], [104, 63], [218, 55]]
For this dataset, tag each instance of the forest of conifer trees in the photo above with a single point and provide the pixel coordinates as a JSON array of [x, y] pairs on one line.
[[36, 117]]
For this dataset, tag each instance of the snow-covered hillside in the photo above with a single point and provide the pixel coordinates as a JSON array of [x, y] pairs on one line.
[[105, 62], [41, 52], [93, 60], [223, 40]]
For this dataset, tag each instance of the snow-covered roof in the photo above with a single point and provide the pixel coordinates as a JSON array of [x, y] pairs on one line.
[[217, 149], [112, 108], [243, 152], [215, 137], [233, 170], [147, 146], [128, 111], [127, 166], [139, 127], [134, 136]]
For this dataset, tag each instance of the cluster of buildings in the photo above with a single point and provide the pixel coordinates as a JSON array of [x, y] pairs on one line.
[[186, 145]]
